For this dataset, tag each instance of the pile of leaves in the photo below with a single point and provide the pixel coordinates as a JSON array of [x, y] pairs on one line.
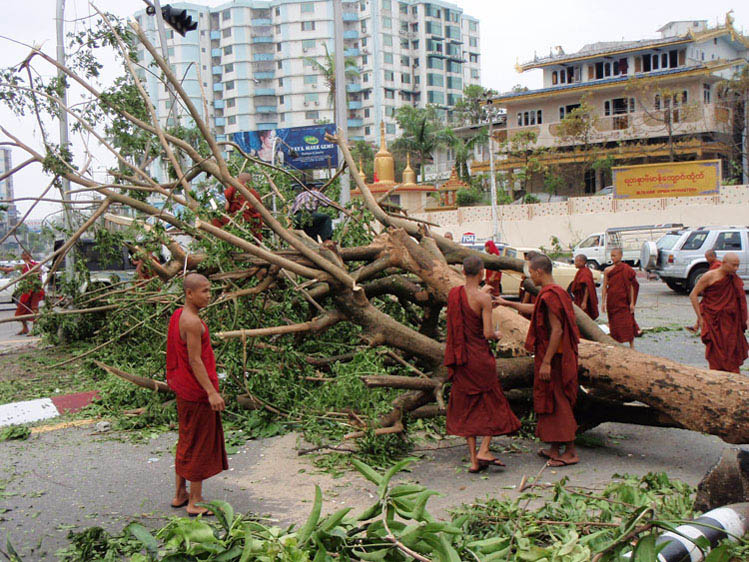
[[572, 526]]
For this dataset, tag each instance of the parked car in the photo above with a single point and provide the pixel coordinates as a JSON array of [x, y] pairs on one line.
[[563, 272], [6, 295], [597, 247], [678, 257]]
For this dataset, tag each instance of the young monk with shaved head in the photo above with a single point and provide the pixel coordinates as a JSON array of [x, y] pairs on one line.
[[191, 374], [583, 288], [712, 259], [552, 338], [618, 298], [722, 315]]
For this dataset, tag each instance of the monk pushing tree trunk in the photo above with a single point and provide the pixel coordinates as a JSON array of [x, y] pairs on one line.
[[722, 315]]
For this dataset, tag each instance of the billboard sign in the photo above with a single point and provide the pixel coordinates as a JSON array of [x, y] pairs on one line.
[[670, 179], [301, 148]]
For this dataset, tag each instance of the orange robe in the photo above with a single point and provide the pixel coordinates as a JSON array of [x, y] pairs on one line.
[[621, 320], [584, 279], [493, 278], [724, 318], [477, 405], [554, 400], [200, 449], [28, 303], [238, 202]]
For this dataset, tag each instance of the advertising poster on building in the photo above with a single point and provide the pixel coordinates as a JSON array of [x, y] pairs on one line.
[[300, 148], [670, 179]]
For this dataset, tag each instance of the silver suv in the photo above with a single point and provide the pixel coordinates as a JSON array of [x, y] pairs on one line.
[[678, 257]]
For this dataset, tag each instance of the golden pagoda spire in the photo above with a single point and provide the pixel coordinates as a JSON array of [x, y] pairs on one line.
[[409, 176], [384, 165], [362, 175]]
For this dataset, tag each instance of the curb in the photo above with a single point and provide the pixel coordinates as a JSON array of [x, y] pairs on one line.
[[30, 411]]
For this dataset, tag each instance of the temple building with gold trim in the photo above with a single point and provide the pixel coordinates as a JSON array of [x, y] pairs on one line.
[[412, 197], [651, 99]]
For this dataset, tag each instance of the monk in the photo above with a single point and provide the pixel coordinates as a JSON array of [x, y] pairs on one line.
[[524, 296], [493, 278], [583, 288], [712, 260], [722, 315], [552, 338], [477, 405], [191, 374], [28, 302], [236, 202], [618, 298]]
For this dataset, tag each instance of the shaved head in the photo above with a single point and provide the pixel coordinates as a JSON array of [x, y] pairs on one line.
[[542, 263], [244, 178], [194, 281], [531, 254], [711, 255], [581, 259], [731, 258], [472, 265], [617, 251]]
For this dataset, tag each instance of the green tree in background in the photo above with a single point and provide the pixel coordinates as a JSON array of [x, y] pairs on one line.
[[327, 69], [423, 133]]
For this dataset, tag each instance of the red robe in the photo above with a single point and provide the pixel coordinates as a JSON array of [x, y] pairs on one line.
[[200, 448], [477, 405], [521, 296], [715, 265], [621, 320], [584, 279], [238, 202], [555, 399], [493, 278], [724, 319], [29, 301]]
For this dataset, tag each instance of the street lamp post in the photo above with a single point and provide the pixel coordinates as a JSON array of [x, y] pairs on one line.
[[341, 109], [493, 181], [65, 188]]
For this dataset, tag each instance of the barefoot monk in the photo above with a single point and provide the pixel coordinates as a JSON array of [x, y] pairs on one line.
[[583, 288], [191, 373], [618, 298]]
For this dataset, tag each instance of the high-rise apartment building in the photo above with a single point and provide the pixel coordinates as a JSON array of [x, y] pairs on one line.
[[250, 64]]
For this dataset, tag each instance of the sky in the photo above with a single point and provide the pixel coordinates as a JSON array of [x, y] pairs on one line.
[[510, 32]]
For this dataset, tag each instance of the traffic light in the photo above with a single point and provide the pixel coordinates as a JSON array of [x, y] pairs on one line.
[[176, 19]]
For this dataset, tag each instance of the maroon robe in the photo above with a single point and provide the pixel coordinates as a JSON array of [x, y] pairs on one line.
[[584, 279], [724, 318], [477, 405], [621, 320], [200, 449], [554, 400], [715, 265]]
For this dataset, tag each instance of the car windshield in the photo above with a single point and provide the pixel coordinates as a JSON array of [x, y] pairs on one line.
[[668, 241], [695, 240]]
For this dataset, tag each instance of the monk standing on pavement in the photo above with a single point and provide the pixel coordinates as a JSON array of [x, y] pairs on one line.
[[583, 288], [722, 315], [712, 260], [191, 374], [552, 337], [33, 292], [477, 406], [618, 298], [493, 277]]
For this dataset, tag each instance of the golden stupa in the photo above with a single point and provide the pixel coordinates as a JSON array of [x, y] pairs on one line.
[[384, 165]]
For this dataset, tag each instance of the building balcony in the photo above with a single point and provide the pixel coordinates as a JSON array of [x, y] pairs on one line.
[[356, 138], [267, 126], [355, 123], [218, 87], [265, 109], [215, 35], [269, 75], [216, 52], [351, 52], [353, 87], [219, 121], [216, 69], [350, 16], [262, 39], [262, 56], [351, 34], [219, 104], [260, 21], [354, 105], [264, 92]]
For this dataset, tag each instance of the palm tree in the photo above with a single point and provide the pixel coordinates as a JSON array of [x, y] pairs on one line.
[[422, 133], [463, 148], [327, 69]]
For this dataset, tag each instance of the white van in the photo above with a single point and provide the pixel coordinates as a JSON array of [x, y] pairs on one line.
[[597, 247]]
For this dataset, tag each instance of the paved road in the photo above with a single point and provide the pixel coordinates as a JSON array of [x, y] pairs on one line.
[[9, 338]]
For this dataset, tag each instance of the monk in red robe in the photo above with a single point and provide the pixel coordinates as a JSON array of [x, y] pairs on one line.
[[477, 405], [722, 315], [712, 260], [618, 298], [493, 278], [583, 288], [236, 202], [28, 302], [552, 337], [525, 296], [191, 374]]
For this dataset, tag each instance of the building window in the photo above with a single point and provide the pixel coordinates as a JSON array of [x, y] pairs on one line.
[[308, 44], [405, 78], [308, 26], [225, 15], [310, 79], [387, 40], [228, 50], [473, 58], [231, 102], [226, 32], [473, 26], [567, 109], [554, 78], [405, 61], [229, 85], [475, 74], [389, 94], [278, 47], [435, 62], [278, 11], [232, 120], [311, 98], [280, 82], [365, 60], [367, 130], [706, 93], [228, 68], [389, 75], [312, 114], [279, 65], [387, 23], [473, 41], [281, 100], [435, 79], [387, 58], [454, 83], [436, 97], [366, 113], [308, 7], [387, 5], [390, 128], [389, 111]]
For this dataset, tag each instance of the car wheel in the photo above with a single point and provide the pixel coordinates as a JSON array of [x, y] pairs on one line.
[[694, 277], [593, 264], [676, 287]]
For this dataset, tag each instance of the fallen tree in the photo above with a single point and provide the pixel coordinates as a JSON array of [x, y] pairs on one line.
[[383, 291]]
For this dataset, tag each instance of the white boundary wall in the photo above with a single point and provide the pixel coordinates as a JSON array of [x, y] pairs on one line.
[[572, 220]]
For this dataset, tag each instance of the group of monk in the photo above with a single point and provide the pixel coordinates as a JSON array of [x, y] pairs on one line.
[[477, 406]]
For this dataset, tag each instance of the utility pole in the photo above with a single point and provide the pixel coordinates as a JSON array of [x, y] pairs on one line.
[[165, 54], [493, 180], [341, 106], [65, 188]]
